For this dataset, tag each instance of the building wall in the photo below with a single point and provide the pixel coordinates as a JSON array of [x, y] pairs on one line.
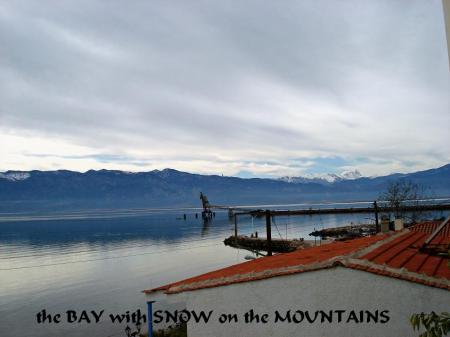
[[332, 289]]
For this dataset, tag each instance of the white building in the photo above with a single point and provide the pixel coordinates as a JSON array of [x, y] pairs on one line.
[[364, 287]]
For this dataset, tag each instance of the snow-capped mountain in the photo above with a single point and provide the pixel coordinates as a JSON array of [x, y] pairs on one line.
[[351, 175], [326, 179], [14, 175]]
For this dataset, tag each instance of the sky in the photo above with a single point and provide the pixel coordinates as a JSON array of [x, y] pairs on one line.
[[245, 88]]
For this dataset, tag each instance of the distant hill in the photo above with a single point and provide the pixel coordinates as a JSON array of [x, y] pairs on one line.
[[62, 189]]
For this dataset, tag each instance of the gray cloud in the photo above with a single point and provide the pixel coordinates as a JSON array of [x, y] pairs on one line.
[[230, 82]]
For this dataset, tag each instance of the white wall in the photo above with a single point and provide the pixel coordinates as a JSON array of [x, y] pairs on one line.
[[331, 289]]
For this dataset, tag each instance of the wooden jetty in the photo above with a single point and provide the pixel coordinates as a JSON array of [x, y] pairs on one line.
[[376, 208], [274, 245]]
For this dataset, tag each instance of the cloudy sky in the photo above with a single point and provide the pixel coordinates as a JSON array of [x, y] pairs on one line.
[[246, 88]]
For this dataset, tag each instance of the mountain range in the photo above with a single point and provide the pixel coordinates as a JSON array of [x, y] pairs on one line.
[[63, 189]]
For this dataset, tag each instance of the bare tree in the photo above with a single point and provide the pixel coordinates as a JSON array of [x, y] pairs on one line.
[[403, 192]]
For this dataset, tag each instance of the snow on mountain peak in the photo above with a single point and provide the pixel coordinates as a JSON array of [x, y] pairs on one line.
[[351, 175], [14, 176], [327, 178]]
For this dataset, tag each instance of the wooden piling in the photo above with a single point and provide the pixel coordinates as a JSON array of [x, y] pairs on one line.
[[235, 227], [377, 225], [269, 232]]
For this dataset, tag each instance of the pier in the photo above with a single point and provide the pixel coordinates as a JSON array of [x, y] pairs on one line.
[[349, 210], [269, 245]]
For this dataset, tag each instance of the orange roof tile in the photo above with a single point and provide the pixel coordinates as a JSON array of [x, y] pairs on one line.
[[395, 255], [430, 226]]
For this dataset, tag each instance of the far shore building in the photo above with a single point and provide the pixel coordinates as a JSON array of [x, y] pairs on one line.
[[363, 287]]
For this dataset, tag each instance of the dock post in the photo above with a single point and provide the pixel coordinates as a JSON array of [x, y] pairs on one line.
[[269, 233], [235, 228], [377, 225]]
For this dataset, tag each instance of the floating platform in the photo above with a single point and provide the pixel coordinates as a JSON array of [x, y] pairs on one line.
[[260, 244]]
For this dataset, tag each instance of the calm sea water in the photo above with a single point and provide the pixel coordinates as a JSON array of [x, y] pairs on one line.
[[103, 260]]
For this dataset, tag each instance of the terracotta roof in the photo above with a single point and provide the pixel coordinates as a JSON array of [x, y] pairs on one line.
[[403, 252], [394, 255]]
